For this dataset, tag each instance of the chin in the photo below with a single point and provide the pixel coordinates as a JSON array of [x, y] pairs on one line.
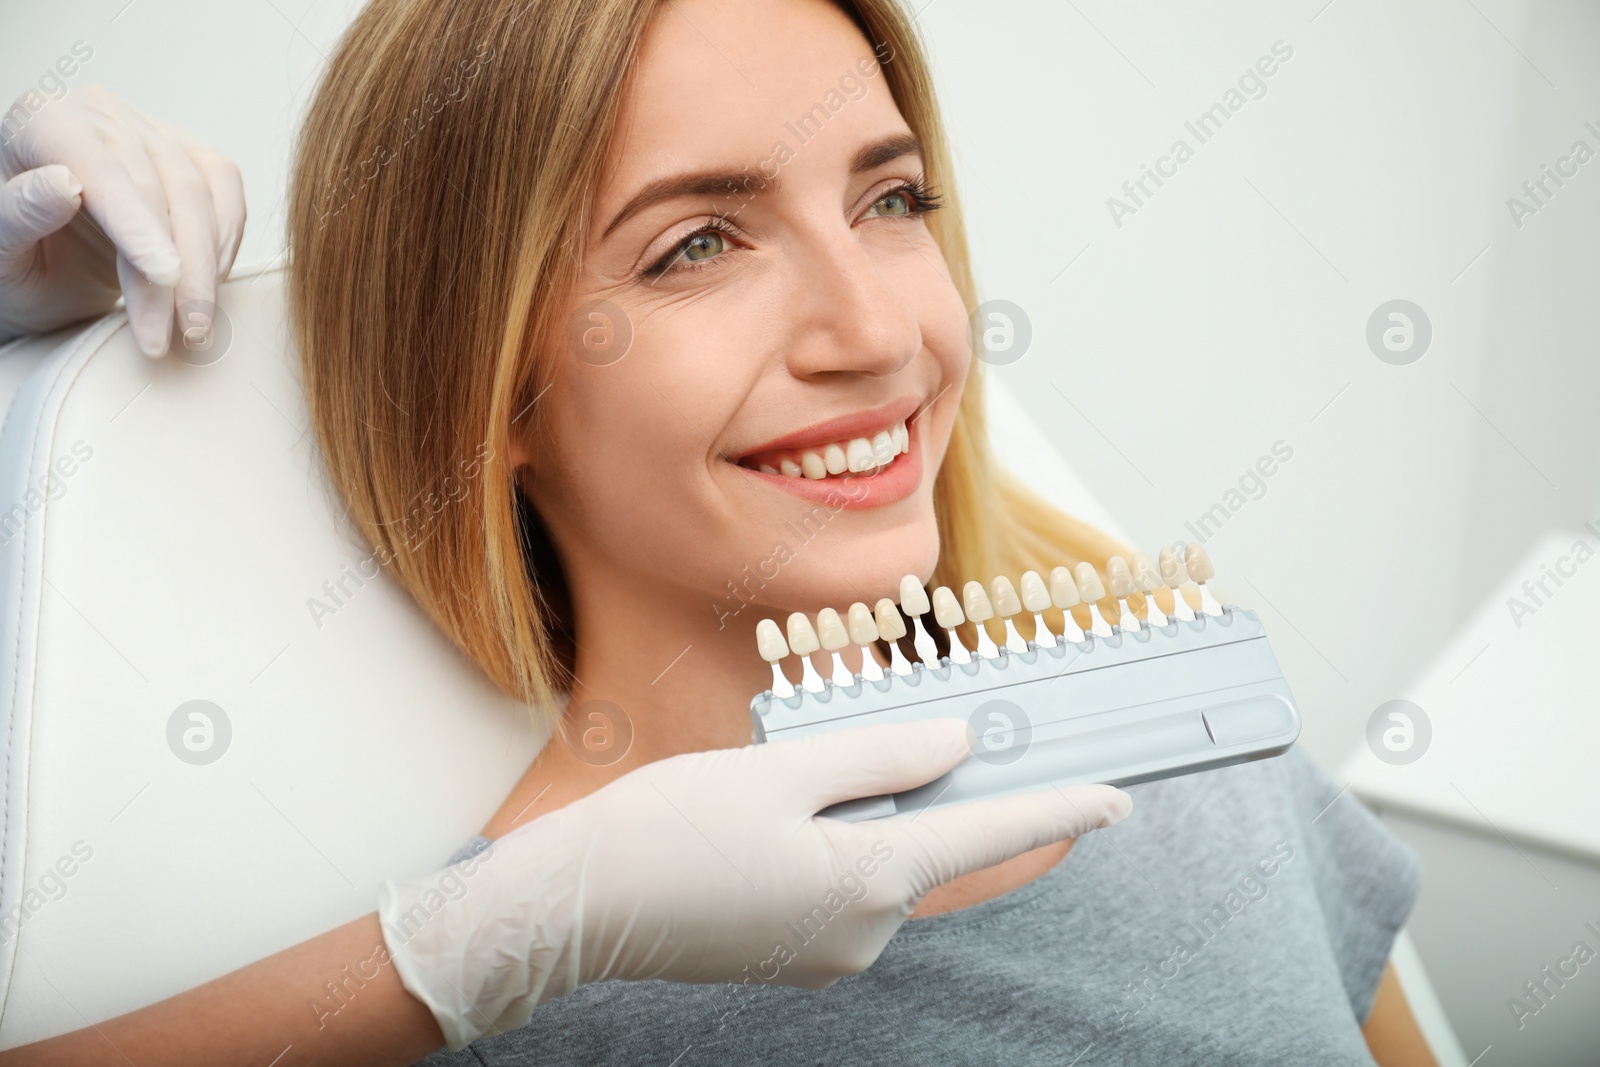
[[840, 570]]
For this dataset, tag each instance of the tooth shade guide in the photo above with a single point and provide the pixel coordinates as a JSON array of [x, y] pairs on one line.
[[810, 679], [1153, 615], [984, 645], [1043, 636], [958, 651], [927, 648], [1125, 616], [1014, 640]]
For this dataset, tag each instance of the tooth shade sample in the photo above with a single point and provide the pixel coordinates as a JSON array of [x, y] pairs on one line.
[[1199, 564], [913, 598], [802, 638], [834, 458], [1004, 597], [1035, 597], [858, 455], [945, 609], [1064, 589], [891, 627], [831, 631], [769, 639], [1119, 578], [977, 602], [1172, 571], [812, 467], [1090, 587], [863, 631], [1145, 574]]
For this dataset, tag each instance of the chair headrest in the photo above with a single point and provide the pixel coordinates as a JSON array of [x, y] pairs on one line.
[[169, 547]]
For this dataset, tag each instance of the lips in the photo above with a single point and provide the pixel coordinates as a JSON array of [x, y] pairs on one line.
[[867, 459]]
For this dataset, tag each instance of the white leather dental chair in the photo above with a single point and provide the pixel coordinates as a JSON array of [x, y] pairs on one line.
[[165, 528]]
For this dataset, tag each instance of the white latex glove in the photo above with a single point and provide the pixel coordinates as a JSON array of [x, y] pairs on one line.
[[696, 868], [161, 220]]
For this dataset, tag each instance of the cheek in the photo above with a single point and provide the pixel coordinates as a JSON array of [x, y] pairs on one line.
[[628, 476]]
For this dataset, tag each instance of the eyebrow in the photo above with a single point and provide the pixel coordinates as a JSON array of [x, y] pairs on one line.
[[724, 183]]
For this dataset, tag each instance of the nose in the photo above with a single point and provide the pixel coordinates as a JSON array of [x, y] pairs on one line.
[[848, 316]]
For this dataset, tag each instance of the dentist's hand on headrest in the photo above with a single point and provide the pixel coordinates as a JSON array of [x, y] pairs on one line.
[[160, 220], [696, 868]]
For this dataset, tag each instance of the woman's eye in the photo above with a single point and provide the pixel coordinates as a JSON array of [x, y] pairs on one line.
[[703, 246], [896, 203]]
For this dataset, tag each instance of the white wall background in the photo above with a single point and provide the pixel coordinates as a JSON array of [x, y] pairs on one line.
[[1227, 313]]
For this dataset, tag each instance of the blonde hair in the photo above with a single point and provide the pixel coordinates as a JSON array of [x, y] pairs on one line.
[[437, 206]]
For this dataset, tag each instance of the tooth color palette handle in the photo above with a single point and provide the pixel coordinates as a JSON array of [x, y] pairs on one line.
[[1153, 703]]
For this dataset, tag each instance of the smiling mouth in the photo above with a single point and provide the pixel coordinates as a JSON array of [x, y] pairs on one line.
[[860, 457]]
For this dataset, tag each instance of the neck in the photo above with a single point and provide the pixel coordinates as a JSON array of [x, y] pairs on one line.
[[681, 672]]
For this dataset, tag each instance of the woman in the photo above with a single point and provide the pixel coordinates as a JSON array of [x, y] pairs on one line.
[[755, 200], [756, 197]]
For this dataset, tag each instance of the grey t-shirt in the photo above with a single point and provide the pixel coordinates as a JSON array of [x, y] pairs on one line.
[[1238, 916]]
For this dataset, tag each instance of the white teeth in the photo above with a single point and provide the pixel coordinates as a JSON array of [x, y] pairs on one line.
[[891, 627], [1034, 596], [831, 631], [1090, 587], [802, 638], [1198, 563], [1063, 589], [863, 630], [770, 641], [1004, 597], [913, 598], [977, 602], [946, 610], [859, 455]]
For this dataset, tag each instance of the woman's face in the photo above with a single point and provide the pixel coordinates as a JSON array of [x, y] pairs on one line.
[[761, 302]]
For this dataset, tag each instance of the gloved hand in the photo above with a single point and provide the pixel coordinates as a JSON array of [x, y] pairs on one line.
[[698, 867], [162, 217]]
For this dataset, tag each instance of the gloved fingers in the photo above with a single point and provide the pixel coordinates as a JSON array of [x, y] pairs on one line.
[[941, 844], [149, 308], [814, 772], [111, 194], [194, 233], [33, 205], [227, 193]]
